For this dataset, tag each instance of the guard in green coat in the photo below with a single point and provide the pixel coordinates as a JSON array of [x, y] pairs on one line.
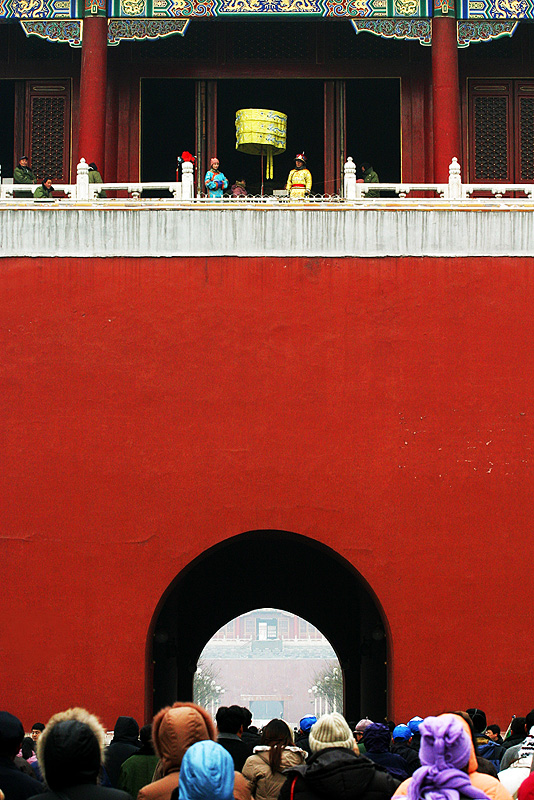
[[44, 191], [369, 176], [23, 174], [96, 177]]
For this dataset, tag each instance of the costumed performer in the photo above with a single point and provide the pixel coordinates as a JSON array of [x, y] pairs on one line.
[[215, 182], [299, 182]]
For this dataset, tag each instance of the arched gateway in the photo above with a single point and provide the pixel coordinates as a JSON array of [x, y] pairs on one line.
[[277, 569]]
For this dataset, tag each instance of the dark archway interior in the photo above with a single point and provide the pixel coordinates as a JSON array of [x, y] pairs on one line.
[[280, 570], [304, 131], [374, 124]]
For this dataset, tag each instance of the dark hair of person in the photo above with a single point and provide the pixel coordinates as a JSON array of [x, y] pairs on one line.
[[517, 728], [277, 735], [529, 720], [27, 747], [465, 716], [486, 767], [478, 718], [229, 719], [494, 728], [145, 734], [39, 726], [247, 717]]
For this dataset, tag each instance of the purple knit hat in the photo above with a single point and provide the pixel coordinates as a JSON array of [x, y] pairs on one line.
[[445, 749]]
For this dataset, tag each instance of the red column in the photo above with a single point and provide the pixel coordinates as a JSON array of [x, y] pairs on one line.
[[446, 96], [91, 142]]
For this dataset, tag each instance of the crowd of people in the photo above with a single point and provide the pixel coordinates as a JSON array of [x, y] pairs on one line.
[[186, 755]]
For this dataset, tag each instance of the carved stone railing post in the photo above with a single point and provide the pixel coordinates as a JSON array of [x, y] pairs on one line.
[[349, 183], [82, 180], [188, 181], [455, 180]]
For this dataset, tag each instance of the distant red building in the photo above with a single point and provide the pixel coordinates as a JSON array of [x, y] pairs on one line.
[[268, 660]]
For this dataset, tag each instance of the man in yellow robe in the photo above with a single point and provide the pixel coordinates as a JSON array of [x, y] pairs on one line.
[[299, 182]]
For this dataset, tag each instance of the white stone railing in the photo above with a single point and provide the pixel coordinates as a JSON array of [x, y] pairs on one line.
[[354, 191], [454, 190], [84, 191]]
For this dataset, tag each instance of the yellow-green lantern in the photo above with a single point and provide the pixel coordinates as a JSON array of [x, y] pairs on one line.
[[261, 132]]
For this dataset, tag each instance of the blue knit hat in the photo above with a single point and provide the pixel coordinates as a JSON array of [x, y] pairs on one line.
[[206, 773], [414, 724], [401, 732], [306, 722]]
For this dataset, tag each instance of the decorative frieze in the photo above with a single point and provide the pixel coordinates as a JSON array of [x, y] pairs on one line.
[[420, 29], [143, 29], [470, 32], [69, 30]]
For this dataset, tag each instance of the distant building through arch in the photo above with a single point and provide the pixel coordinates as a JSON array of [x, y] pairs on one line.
[[279, 570], [275, 663]]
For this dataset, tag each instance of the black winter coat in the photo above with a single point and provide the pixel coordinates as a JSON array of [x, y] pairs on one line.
[[403, 749], [16, 785], [338, 774], [85, 791], [124, 744]]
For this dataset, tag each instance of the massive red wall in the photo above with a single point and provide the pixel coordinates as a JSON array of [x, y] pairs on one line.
[[154, 407]]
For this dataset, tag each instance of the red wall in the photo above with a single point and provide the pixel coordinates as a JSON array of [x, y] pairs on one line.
[[154, 407]]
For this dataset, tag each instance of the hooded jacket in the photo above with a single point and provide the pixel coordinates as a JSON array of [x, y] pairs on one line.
[[377, 739], [337, 773], [264, 784], [124, 744], [70, 752], [174, 730], [492, 787]]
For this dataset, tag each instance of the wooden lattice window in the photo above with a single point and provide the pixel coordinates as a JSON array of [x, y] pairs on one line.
[[526, 138], [501, 131], [48, 129], [491, 138]]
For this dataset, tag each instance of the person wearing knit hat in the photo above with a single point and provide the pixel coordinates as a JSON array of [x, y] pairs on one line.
[[207, 773], [445, 752], [335, 771], [402, 736], [442, 750], [331, 730]]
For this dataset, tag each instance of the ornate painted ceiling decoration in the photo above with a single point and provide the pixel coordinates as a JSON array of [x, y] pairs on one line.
[[420, 29], [40, 9], [317, 8], [120, 30], [483, 31], [496, 9], [497, 13], [154, 9], [69, 30]]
